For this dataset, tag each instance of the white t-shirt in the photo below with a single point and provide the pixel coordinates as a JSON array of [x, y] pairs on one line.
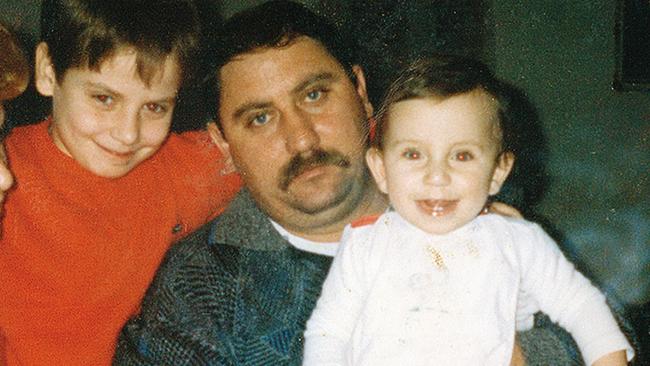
[[396, 295], [327, 249]]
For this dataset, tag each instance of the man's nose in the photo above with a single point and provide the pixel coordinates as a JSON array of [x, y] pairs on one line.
[[299, 132]]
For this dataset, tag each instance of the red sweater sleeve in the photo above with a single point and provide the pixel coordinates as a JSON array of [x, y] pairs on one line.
[[203, 190]]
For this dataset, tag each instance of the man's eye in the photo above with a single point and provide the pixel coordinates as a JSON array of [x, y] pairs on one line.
[[260, 119], [155, 108], [411, 154], [464, 156], [104, 99], [315, 95]]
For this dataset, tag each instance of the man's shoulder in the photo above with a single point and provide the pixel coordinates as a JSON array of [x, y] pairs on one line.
[[191, 251], [200, 248]]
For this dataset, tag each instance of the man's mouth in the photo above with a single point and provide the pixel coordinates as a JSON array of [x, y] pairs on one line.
[[299, 166], [437, 208]]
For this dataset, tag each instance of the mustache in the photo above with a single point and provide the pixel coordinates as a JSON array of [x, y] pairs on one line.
[[299, 164]]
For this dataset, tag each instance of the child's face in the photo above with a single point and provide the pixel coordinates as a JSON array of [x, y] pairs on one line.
[[109, 121], [439, 162]]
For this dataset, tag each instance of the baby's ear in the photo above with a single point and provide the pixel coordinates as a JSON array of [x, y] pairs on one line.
[[375, 160], [44, 74], [505, 162], [224, 147]]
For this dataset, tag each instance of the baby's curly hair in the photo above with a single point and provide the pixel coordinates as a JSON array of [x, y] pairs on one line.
[[14, 69]]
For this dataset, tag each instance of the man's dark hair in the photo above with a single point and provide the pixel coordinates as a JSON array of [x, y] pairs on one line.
[[269, 25], [85, 33], [445, 76]]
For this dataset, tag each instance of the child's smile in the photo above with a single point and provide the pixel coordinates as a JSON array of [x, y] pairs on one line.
[[109, 120], [437, 207]]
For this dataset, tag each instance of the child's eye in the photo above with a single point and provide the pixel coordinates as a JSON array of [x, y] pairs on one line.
[[412, 154], [464, 156], [104, 99], [155, 108]]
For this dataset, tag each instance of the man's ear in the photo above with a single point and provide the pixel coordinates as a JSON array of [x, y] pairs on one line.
[[224, 147], [505, 162], [44, 74], [375, 161], [362, 91]]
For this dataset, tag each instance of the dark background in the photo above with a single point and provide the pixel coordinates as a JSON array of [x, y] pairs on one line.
[[585, 172]]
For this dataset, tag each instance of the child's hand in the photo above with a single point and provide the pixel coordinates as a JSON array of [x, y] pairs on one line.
[[612, 359], [518, 358], [6, 179]]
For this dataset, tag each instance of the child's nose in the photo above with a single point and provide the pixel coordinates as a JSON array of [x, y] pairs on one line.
[[437, 173], [126, 129]]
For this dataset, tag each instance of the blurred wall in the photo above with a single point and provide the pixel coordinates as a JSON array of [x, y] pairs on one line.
[[563, 55]]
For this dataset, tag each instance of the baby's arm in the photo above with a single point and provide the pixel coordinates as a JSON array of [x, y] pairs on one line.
[[569, 299], [330, 327]]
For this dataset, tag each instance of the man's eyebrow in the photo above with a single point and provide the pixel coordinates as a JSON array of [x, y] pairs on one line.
[[249, 106], [323, 76], [311, 79]]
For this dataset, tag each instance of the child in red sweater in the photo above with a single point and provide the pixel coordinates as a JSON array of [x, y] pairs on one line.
[[101, 188]]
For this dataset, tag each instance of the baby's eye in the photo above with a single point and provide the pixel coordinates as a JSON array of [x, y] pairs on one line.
[[104, 99], [464, 156], [412, 154], [155, 108]]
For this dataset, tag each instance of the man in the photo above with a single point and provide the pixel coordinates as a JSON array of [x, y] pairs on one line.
[[292, 111]]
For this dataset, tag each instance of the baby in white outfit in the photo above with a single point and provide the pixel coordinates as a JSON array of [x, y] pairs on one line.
[[433, 282]]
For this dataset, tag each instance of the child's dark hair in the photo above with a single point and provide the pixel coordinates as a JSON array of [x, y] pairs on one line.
[[444, 76], [270, 25], [84, 33]]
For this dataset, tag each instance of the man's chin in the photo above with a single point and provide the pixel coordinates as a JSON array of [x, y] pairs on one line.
[[315, 201]]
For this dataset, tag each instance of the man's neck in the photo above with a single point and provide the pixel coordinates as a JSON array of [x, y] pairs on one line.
[[373, 202]]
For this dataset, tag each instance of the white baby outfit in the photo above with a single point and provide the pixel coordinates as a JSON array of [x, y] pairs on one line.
[[396, 295]]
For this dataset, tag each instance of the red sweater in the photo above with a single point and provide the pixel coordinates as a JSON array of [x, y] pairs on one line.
[[78, 251]]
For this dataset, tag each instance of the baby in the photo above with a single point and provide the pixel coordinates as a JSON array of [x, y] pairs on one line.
[[433, 282]]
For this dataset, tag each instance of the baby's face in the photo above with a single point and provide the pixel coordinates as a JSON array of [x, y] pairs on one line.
[[441, 159]]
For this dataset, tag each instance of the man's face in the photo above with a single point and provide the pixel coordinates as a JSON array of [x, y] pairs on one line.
[[109, 120], [293, 123]]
